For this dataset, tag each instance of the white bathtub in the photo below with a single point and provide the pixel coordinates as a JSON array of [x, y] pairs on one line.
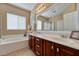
[[11, 43]]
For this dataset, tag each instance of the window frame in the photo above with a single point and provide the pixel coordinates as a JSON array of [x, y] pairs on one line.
[[17, 24], [42, 27], [37, 25], [73, 33]]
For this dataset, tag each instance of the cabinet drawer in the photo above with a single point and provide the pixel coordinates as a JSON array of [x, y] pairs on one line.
[[38, 53], [38, 50], [38, 46], [39, 43], [39, 40]]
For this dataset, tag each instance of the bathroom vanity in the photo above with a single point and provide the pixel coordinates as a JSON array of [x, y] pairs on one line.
[[46, 45]]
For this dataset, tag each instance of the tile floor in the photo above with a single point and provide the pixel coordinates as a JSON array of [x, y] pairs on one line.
[[22, 52]]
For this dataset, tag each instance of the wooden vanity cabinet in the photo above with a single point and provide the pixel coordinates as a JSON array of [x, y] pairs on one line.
[[42, 47], [39, 49], [49, 48], [62, 50], [32, 43]]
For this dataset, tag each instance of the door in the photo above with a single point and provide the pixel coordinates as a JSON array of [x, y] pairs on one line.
[[65, 52], [33, 43], [30, 41], [49, 48]]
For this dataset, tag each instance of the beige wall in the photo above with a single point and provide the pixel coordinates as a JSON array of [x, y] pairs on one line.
[[60, 17], [4, 8], [71, 8], [56, 18], [42, 18]]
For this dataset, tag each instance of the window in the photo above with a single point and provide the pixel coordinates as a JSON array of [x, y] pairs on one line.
[[16, 22], [47, 26], [39, 25], [53, 26], [22, 22]]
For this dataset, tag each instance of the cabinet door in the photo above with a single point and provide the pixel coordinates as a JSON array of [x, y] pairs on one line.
[[65, 52], [49, 48], [33, 43], [38, 50], [57, 51], [39, 46], [30, 41]]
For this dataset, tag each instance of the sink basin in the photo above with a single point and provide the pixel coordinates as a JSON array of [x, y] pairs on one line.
[[72, 41], [54, 36]]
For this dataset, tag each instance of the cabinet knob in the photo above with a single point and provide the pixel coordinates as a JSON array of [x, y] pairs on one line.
[[37, 53], [57, 49], [37, 45], [52, 47], [37, 39]]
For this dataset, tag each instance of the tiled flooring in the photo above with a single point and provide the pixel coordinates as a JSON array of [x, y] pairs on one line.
[[22, 52]]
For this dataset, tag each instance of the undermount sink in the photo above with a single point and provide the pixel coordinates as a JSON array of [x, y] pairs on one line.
[[54, 36], [72, 41]]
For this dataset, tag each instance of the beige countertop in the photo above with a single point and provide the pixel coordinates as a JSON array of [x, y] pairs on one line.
[[58, 39]]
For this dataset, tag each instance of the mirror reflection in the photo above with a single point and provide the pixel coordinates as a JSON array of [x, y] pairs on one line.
[[59, 17]]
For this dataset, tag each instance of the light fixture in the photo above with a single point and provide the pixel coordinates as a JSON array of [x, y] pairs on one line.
[[40, 8]]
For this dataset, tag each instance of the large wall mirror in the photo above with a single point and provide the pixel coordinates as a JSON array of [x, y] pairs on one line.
[[59, 17]]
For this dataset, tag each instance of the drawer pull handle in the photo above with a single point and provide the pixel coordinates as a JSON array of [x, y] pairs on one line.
[[37, 45], [57, 49], [52, 47], [37, 53], [37, 39]]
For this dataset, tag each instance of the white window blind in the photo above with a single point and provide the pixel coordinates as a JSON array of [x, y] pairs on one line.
[[47, 26], [53, 26], [39, 25], [21, 22], [16, 22]]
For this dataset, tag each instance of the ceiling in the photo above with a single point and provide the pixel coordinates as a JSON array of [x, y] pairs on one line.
[[56, 9], [27, 6]]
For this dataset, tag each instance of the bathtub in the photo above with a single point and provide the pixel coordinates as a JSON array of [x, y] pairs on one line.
[[11, 43]]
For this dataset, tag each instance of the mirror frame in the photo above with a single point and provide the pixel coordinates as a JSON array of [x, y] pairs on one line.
[[73, 35]]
